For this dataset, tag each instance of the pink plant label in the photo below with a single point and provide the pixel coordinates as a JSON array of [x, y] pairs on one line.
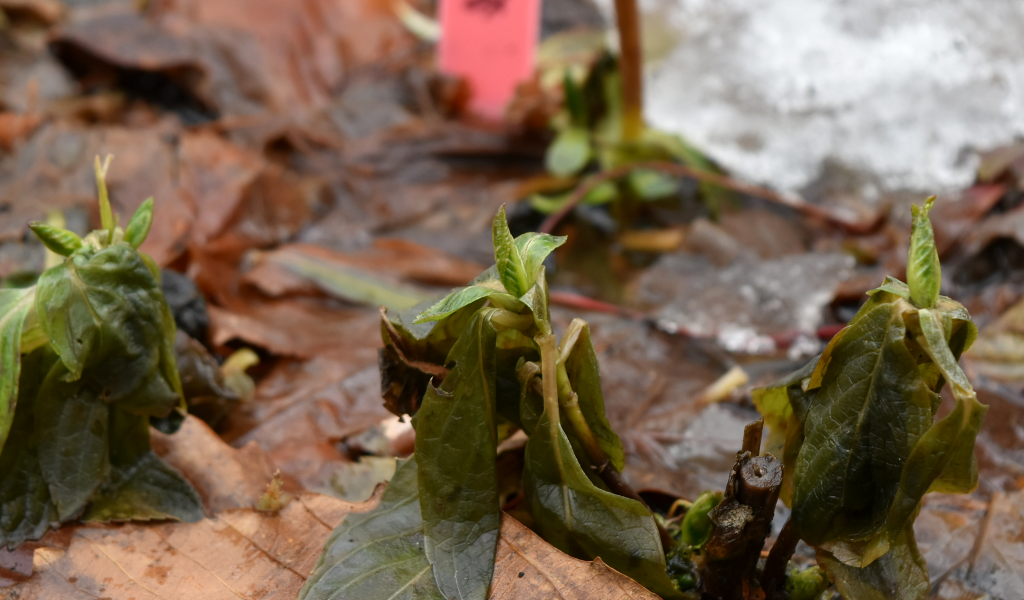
[[492, 44]]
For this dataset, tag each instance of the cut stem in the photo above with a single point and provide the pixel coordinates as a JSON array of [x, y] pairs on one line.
[[631, 68]]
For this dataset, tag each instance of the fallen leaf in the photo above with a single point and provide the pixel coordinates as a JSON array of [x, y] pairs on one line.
[[239, 553], [293, 327], [225, 477], [241, 57]]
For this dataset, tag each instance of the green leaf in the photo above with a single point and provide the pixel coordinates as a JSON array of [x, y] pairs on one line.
[[26, 509], [899, 575], [456, 446], [71, 426], [106, 312], [510, 267], [60, 241], [677, 147], [943, 459], [138, 227], [603, 193], [569, 152], [584, 521], [867, 416], [924, 273], [534, 248], [141, 486], [585, 377], [14, 308], [784, 406], [574, 100], [537, 299], [460, 298], [651, 185], [696, 526], [378, 555], [892, 286]]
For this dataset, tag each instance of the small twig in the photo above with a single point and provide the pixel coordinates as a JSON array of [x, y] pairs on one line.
[[795, 203], [983, 531]]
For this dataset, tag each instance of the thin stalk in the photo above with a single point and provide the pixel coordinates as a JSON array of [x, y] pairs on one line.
[[548, 366], [631, 68], [106, 213]]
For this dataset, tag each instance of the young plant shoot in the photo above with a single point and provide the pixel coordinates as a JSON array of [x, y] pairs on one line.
[[87, 366], [858, 433], [472, 368]]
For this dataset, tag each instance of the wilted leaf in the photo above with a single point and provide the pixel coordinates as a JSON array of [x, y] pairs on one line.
[[14, 307], [206, 393], [901, 574], [26, 508], [784, 406], [569, 153], [456, 445], [72, 426], [526, 567], [585, 521], [141, 485], [106, 311], [869, 412], [378, 555]]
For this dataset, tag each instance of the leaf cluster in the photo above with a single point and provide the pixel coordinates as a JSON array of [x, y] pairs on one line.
[[87, 365], [859, 432], [474, 367], [589, 130]]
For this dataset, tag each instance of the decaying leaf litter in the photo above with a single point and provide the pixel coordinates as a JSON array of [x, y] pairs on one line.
[[301, 196]]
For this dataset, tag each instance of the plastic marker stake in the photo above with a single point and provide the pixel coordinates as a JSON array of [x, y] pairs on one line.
[[491, 44]]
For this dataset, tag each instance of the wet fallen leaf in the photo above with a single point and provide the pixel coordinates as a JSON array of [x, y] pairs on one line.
[[225, 477], [292, 327], [242, 57], [239, 553]]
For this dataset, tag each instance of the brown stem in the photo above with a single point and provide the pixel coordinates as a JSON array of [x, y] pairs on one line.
[[741, 524], [678, 170], [752, 437], [773, 578], [631, 68]]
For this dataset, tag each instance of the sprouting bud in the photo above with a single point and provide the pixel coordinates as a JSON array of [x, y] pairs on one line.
[[696, 526], [924, 274], [59, 241], [138, 227], [807, 584]]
